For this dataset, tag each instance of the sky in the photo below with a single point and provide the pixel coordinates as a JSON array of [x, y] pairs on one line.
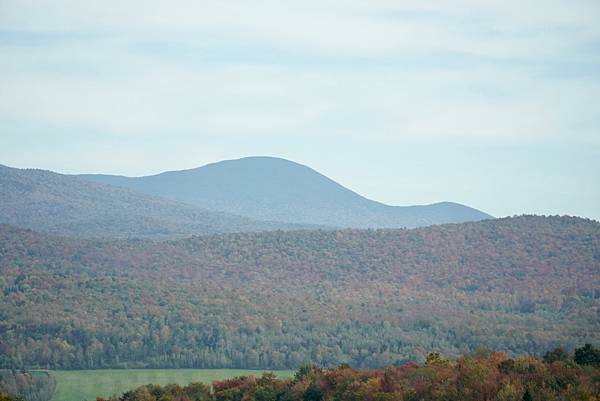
[[493, 104]]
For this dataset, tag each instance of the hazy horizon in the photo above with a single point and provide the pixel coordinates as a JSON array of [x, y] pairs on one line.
[[277, 157], [490, 105]]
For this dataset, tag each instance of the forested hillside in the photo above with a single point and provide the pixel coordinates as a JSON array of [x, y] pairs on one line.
[[279, 299], [270, 188], [65, 205]]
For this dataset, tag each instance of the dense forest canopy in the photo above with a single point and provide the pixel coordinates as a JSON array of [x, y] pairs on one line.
[[484, 375], [369, 298]]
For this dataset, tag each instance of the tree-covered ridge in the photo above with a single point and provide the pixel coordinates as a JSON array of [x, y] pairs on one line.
[[279, 299], [482, 376], [65, 205]]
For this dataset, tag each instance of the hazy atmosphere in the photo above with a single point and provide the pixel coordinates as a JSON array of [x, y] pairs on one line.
[[493, 105], [299, 201]]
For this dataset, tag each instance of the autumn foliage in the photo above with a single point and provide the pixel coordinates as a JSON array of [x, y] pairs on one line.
[[482, 376], [276, 300]]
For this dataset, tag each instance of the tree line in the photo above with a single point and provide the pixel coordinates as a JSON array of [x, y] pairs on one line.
[[22, 385], [484, 375]]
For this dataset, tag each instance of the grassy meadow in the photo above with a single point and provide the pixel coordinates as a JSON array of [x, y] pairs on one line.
[[79, 385]]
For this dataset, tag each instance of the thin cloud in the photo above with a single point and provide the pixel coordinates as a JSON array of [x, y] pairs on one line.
[[272, 76]]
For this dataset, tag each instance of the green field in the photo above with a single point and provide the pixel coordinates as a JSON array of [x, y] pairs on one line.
[[79, 385]]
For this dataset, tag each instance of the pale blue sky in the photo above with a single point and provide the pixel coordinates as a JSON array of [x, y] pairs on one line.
[[492, 104]]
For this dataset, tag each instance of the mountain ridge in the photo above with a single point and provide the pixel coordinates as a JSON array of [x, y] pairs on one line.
[[60, 204], [272, 188], [275, 300]]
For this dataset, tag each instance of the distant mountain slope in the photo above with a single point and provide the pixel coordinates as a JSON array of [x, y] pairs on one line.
[[279, 299], [67, 205], [269, 188]]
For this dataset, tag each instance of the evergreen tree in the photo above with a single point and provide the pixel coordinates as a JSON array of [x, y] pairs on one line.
[[588, 355]]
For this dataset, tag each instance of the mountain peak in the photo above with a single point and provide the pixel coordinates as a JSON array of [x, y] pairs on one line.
[[277, 189]]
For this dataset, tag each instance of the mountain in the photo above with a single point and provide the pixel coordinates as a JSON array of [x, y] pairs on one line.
[[278, 299], [67, 205], [268, 188]]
